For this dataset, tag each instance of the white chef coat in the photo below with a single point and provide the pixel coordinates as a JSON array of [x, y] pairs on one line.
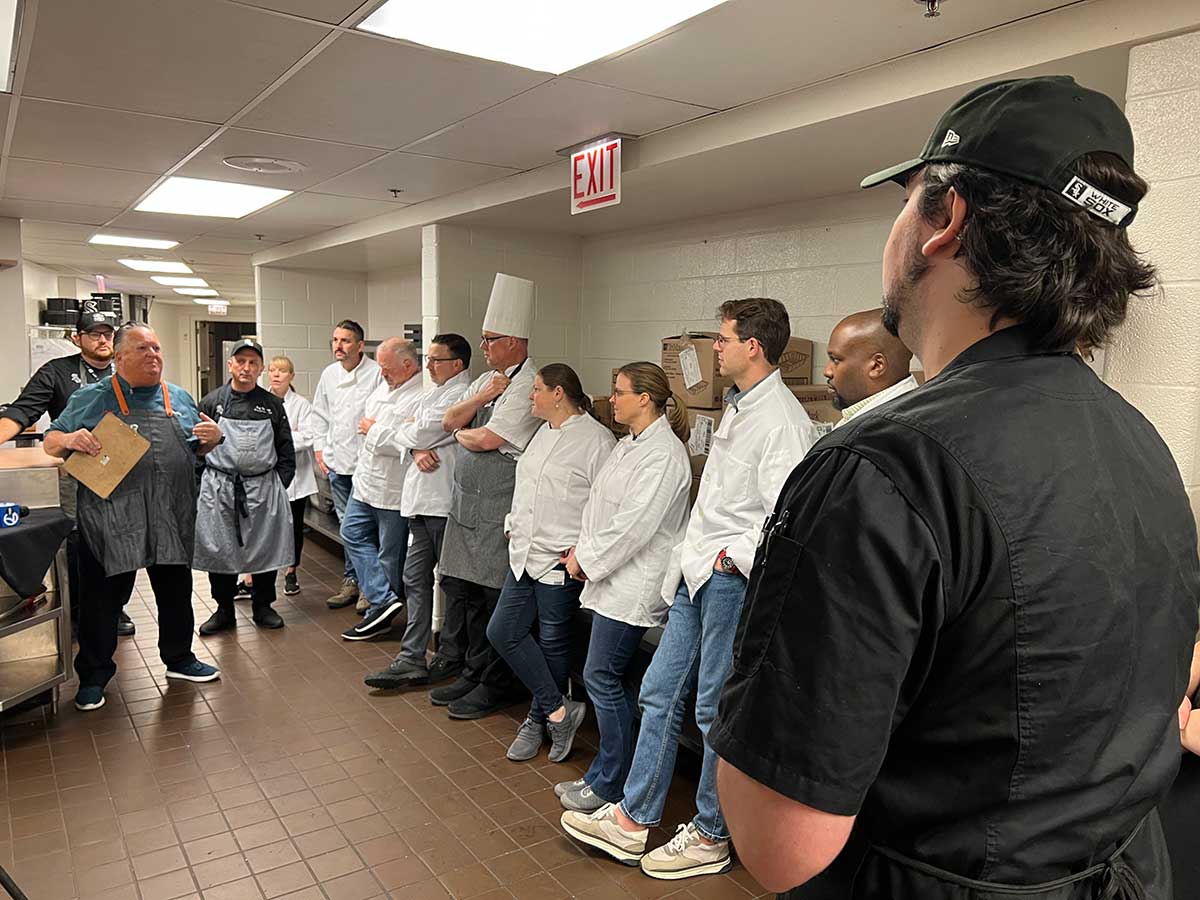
[[635, 516], [554, 477], [428, 493], [899, 389], [511, 416], [305, 424], [379, 474], [764, 433], [340, 399]]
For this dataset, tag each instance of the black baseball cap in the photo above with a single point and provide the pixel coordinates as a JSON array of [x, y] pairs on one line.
[[247, 344], [91, 320], [1033, 129]]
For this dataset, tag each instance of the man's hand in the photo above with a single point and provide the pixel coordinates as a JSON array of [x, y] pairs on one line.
[[495, 387], [82, 441], [364, 425], [320, 457], [573, 569], [208, 433], [1189, 727], [426, 460]]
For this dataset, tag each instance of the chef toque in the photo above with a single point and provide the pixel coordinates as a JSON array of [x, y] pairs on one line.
[[510, 309]]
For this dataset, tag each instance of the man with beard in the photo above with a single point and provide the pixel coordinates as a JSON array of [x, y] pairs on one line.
[[972, 613], [868, 365]]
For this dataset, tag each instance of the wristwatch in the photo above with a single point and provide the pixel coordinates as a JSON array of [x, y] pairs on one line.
[[727, 563]]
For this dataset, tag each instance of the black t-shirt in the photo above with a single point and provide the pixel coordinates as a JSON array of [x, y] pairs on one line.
[[50, 388], [975, 623], [255, 405]]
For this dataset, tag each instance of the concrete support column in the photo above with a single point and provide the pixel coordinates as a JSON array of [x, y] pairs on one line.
[[1155, 359]]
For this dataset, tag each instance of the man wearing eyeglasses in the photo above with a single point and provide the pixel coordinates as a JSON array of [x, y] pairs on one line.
[[48, 392], [492, 425], [425, 503]]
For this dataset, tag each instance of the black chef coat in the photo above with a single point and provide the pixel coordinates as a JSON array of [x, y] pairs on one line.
[[51, 387], [970, 619]]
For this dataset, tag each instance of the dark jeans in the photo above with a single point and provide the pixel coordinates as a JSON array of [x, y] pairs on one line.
[[544, 664], [611, 650], [224, 586], [469, 608], [341, 487], [298, 507], [101, 605]]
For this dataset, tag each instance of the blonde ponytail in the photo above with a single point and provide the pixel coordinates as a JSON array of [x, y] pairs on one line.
[[648, 378]]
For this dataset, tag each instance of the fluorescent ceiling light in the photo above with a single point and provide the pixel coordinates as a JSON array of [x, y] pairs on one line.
[[210, 301], [116, 240], [156, 265], [201, 197], [8, 44], [197, 292], [177, 281], [546, 35]]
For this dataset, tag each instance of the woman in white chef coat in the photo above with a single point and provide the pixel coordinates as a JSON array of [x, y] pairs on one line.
[[636, 513], [305, 422], [553, 478]]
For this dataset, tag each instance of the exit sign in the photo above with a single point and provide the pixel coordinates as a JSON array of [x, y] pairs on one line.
[[596, 176]]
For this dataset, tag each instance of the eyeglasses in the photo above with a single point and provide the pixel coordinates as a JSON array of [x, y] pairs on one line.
[[720, 340], [100, 335], [488, 341], [616, 392], [441, 359]]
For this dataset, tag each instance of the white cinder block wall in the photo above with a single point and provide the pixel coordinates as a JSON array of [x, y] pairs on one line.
[[460, 263], [821, 259], [296, 311], [393, 301], [1154, 361]]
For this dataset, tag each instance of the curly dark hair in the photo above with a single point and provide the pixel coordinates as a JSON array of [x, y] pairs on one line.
[[1039, 258]]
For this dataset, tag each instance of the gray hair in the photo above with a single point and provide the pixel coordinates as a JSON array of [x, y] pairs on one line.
[[127, 329], [400, 349]]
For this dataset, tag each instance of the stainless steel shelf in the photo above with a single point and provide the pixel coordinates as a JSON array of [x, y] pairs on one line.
[[27, 618], [25, 678]]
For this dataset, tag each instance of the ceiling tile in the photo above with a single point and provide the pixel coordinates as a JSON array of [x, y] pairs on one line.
[[525, 132], [86, 136], [378, 93], [217, 244], [166, 224], [421, 177], [60, 183], [307, 214], [321, 159], [332, 11], [174, 57]]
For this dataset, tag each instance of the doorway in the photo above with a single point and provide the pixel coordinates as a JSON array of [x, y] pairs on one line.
[[211, 340]]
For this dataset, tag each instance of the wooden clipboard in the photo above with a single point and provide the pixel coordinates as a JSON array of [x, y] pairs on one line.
[[121, 448]]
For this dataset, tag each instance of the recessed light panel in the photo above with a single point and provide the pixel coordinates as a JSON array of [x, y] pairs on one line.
[[178, 281], [157, 265], [209, 301], [197, 292], [117, 240], [546, 35], [202, 197]]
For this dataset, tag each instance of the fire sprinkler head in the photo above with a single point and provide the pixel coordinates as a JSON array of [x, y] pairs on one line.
[[931, 7]]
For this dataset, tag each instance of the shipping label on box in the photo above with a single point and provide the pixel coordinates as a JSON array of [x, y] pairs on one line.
[[690, 362], [703, 423]]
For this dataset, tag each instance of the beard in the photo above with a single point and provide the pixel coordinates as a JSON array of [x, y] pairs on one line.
[[901, 296], [838, 401]]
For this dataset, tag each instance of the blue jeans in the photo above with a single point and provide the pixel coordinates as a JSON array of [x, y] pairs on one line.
[[376, 541], [696, 651], [543, 665], [610, 651], [341, 487]]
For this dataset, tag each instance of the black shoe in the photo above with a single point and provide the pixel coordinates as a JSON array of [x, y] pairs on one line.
[[265, 617], [374, 623], [455, 690], [482, 701], [222, 619], [291, 584], [125, 626], [244, 591], [441, 669], [400, 674]]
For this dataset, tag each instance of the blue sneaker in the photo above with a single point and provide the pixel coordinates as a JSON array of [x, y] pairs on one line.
[[195, 671], [89, 697]]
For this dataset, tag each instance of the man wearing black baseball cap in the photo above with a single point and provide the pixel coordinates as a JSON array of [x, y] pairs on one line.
[[972, 612]]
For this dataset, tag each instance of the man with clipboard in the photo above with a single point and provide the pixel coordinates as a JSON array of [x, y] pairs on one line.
[[147, 521]]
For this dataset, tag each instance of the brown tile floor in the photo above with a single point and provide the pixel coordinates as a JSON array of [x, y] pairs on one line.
[[288, 778]]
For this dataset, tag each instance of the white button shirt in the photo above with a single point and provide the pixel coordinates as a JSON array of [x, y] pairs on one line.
[[635, 516], [428, 493], [511, 417], [305, 425], [763, 435], [554, 478], [340, 399], [379, 474]]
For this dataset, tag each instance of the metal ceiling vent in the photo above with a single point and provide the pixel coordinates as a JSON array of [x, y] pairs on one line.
[[932, 7], [263, 165]]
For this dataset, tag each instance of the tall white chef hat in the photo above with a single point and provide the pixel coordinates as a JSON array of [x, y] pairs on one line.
[[510, 308]]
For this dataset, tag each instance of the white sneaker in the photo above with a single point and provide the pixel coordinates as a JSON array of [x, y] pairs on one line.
[[600, 830], [686, 855]]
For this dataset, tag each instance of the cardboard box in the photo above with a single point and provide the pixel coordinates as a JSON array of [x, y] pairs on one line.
[[818, 403], [703, 423], [602, 406], [796, 363], [691, 366]]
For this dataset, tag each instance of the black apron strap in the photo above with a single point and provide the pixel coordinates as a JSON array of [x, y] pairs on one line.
[[240, 508]]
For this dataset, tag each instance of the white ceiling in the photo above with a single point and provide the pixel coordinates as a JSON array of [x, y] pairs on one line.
[[110, 97]]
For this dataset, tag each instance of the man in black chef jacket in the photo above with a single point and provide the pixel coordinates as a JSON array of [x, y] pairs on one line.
[[243, 517], [48, 392], [972, 612]]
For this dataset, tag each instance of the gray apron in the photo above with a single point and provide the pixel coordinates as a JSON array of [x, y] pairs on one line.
[[474, 547], [243, 519], [150, 517]]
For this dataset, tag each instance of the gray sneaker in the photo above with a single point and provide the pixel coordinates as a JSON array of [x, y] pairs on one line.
[[346, 594], [562, 734], [582, 800], [564, 787], [527, 742]]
